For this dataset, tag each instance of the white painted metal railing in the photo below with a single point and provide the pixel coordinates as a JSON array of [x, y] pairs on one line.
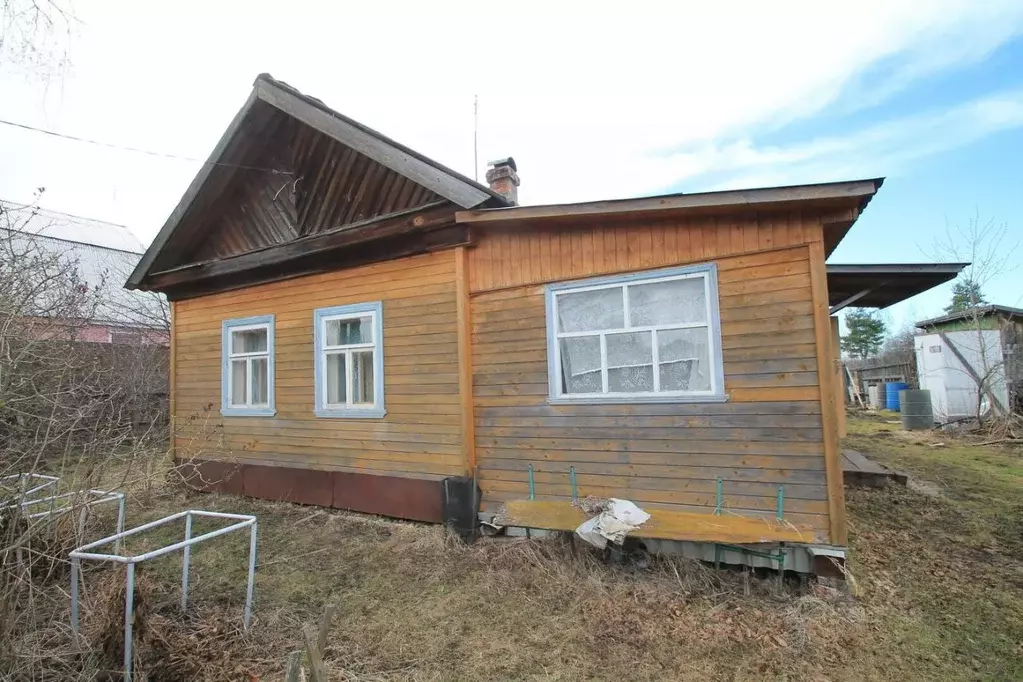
[[82, 553]]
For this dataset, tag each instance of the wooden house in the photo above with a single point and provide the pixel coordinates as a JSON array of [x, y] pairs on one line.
[[354, 324]]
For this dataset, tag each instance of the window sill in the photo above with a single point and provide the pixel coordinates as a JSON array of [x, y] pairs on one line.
[[369, 413], [635, 400], [248, 412]]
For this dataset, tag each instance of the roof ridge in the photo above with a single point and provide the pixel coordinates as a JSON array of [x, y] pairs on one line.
[[73, 241], [54, 211], [960, 314], [323, 106]]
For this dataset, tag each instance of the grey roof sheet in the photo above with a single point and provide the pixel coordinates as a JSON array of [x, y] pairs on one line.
[[103, 253], [982, 310]]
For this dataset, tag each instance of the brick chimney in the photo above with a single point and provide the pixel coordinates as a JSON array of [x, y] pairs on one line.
[[503, 178]]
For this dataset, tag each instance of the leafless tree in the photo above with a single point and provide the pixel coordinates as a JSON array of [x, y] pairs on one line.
[[35, 36], [988, 248]]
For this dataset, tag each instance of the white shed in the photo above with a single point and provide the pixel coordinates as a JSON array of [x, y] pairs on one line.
[[947, 364]]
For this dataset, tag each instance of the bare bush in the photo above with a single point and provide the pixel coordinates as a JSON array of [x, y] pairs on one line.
[[89, 413]]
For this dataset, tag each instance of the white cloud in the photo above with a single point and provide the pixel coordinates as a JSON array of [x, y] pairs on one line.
[[875, 150], [588, 97]]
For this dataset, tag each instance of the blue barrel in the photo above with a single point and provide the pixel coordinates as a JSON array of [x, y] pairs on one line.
[[891, 394]]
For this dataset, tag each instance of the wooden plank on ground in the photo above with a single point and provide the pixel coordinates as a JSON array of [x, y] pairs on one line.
[[663, 524]]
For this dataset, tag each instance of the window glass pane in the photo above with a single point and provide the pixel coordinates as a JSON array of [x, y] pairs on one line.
[[630, 379], [591, 310], [248, 341], [260, 386], [336, 389], [238, 381], [630, 362], [345, 332], [362, 377], [678, 302], [580, 365], [684, 357], [625, 350]]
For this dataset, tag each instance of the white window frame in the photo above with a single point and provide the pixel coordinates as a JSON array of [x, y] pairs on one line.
[[321, 316], [707, 272], [239, 325]]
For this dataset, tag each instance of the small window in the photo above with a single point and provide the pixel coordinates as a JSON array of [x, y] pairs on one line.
[[127, 337], [349, 361], [647, 337], [247, 384]]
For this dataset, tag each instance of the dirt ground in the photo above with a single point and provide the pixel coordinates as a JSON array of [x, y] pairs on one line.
[[936, 594]]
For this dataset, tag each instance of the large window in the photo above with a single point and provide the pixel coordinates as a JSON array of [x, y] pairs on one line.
[[651, 336], [247, 381], [349, 361]]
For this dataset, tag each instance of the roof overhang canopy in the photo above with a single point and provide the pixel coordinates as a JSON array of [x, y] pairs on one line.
[[842, 201], [879, 286]]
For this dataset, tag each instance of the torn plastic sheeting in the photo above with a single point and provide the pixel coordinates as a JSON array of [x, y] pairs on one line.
[[618, 519]]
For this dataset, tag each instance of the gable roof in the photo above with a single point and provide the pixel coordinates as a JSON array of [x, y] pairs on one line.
[[982, 311], [269, 95]]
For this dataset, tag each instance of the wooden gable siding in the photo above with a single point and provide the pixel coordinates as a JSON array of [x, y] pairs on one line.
[[420, 435], [511, 257], [321, 185], [770, 431]]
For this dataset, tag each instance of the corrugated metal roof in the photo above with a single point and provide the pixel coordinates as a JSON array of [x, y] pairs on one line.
[[103, 253], [970, 313], [74, 228]]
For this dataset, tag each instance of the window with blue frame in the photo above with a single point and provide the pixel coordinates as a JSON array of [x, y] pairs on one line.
[[247, 372], [644, 337], [349, 361]]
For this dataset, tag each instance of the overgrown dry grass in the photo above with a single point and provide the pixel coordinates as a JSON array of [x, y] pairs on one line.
[[939, 598], [941, 562]]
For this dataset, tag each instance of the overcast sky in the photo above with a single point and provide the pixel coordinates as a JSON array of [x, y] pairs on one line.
[[594, 101]]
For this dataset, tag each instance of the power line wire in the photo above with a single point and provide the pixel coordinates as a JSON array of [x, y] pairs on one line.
[[110, 145]]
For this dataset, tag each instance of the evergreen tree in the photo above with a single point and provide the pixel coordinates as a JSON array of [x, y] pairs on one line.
[[966, 294], [866, 333]]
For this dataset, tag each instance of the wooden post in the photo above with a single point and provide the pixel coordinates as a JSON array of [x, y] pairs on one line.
[[826, 375], [172, 359], [293, 672], [317, 669], [328, 616], [313, 650], [465, 359], [840, 393]]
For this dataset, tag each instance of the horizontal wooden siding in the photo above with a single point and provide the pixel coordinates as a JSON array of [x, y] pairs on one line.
[[660, 455], [419, 436]]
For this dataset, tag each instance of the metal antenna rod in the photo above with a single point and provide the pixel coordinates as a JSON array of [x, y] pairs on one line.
[[475, 135]]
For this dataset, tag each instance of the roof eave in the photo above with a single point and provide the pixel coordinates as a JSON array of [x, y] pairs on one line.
[[983, 311], [858, 192], [146, 262]]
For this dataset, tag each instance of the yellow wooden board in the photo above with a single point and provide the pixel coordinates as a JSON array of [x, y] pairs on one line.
[[663, 524]]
